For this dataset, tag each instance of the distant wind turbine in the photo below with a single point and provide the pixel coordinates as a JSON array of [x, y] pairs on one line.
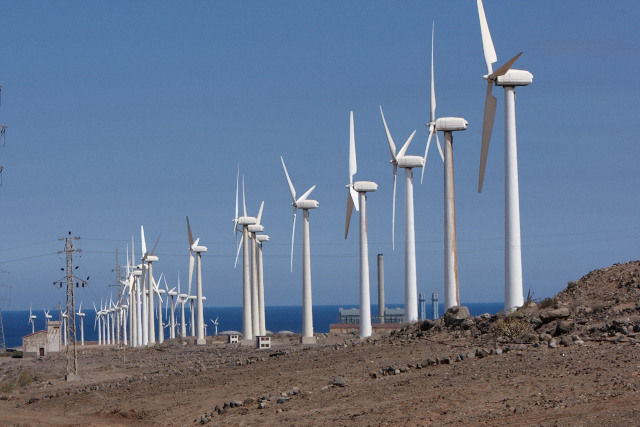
[[305, 204], [198, 250]]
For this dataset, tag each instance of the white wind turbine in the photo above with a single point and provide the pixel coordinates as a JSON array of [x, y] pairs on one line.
[[182, 299], [215, 324], [408, 163], [172, 320], [81, 315], [198, 250], [96, 321], [159, 293], [244, 221], [47, 316], [448, 125], [261, 238], [507, 78], [357, 197], [63, 317], [305, 204], [150, 258], [32, 320], [255, 279]]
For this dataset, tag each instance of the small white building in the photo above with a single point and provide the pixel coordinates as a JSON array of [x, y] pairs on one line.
[[42, 342]]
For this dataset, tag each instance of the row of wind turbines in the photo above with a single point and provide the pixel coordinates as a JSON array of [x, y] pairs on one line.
[[508, 79], [140, 284]]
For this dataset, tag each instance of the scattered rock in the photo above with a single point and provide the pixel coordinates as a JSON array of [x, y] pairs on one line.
[[340, 382], [554, 314], [456, 315]]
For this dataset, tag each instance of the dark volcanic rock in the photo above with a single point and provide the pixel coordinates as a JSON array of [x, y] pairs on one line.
[[456, 315]]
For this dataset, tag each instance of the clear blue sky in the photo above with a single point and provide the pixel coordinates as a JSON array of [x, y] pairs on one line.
[[123, 114]]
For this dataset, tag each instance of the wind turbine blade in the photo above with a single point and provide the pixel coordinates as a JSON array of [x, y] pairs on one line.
[[349, 211], [502, 70], [487, 44], [393, 215], [133, 258], [432, 115], [237, 253], [426, 151], [392, 146], [293, 234], [291, 189], [406, 145], [144, 241], [260, 213], [153, 251], [305, 195], [353, 165], [487, 127], [439, 147], [235, 218], [354, 198], [244, 204], [189, 233]]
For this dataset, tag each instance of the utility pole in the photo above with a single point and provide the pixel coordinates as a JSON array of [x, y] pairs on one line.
[[72, 354]]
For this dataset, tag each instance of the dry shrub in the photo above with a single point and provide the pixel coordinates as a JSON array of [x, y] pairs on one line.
[[25, 378], [511, 327], [547, 303]]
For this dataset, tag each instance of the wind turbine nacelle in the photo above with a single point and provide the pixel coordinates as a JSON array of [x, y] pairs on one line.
[[515, 78], [365, 186], [183, 296], [151, 258], [308, 204], [451, 124], [137, 273], [199, 249], [247, 220], [173, 293], [410, 162], [256, 228], [262, 238]]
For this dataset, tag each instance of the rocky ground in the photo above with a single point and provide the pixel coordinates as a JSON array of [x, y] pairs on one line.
[[570, 360]]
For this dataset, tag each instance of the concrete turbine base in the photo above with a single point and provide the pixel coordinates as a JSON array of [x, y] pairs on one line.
[[201, 341], [308, 340], [247, 343]]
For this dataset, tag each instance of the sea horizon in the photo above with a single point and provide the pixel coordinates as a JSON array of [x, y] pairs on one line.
[[277, 318]]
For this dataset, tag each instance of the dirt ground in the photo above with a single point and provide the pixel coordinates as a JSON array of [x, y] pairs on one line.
[[580, 369]]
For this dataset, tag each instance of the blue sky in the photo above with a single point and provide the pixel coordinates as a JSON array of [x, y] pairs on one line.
[[123, 114]]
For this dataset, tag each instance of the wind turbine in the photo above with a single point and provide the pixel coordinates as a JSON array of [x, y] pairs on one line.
[[357, 197], [448, 125], [261, 238], [63, 316], [81, 315], [182, 299], [32, 320], [305, 204], [255, 280], [150, 258], [47, 316], [244, 221], [507, 78], [215, 324], [197, 249], [408, 163], [172, 293], [97, 321], [158, 292]]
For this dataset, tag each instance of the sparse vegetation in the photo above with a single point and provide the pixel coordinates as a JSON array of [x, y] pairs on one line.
[[25, 378], [547, 303], [510, 327]]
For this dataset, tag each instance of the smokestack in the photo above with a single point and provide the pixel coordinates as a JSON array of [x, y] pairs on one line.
[[434, 305], [381, 306]]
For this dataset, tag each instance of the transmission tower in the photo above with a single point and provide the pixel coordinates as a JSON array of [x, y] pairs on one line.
[[70, 279]]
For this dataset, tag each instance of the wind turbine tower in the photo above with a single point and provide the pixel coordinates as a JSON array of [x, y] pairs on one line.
[[150, 258], [255, 279], [507, 78], [261, 238], [357, 197], [448, 125], [305, 204], [408, 163], [198, 250], [245, 221], [81, 315]]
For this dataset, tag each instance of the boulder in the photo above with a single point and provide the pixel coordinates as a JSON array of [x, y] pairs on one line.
[[456, 315], [556, 313], [564, 327]]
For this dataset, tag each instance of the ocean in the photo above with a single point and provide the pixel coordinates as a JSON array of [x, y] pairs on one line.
[[278, 318]]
